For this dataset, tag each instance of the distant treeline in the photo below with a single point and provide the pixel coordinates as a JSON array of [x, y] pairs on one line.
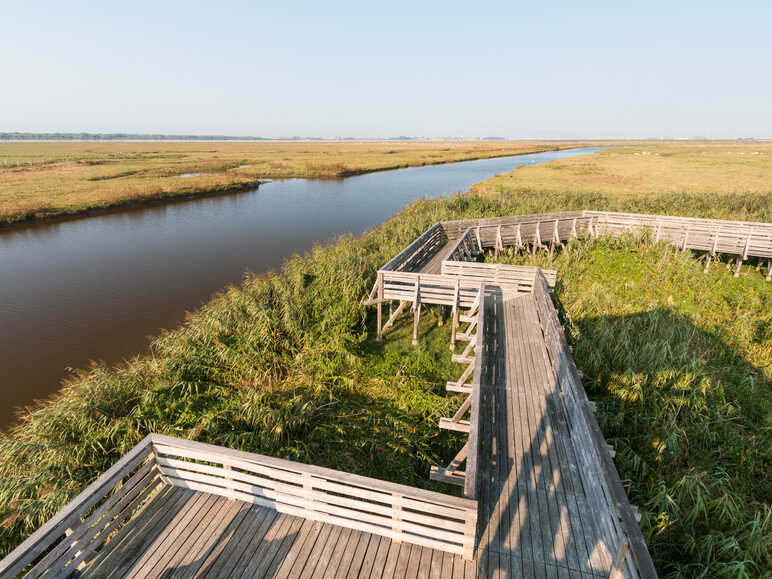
[[138, 137], [119, 137]]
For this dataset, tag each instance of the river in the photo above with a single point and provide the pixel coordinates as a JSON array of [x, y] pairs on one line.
[[95, 288]]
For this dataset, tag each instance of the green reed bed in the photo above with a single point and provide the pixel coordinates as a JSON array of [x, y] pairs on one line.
[[286, 365]]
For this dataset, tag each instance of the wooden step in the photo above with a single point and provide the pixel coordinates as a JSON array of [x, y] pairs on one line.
[[456, 387], [462, 359], [467, 318], [457, 477], [465, 337], [460, 426]]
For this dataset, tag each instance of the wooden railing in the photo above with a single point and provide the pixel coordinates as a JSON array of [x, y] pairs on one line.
[[64, 544], [608, 500], [428, 289], [468, 383], [743, 239], [466, 248], [516, 278], [401, 513], [422, 247], [454, 229]]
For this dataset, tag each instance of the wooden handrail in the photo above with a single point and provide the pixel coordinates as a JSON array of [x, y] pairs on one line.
[[473, 442], [621, 521], [70, 515], [388, 509]]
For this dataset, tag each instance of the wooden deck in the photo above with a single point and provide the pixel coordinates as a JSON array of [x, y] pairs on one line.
[[534, 516], [182, 533]]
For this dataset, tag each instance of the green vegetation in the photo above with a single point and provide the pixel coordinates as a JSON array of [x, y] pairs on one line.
[[680, 363], [44, 180]]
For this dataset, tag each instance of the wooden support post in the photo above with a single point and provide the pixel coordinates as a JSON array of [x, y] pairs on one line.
[[416, 308], [739, 265], [536, 238], [573, 228], [686, 237], [499, 242], [712, 250], [769, 270], [393, 317], [441, 319], [519, 237], [479, 243], [454, 314], [379, 329]]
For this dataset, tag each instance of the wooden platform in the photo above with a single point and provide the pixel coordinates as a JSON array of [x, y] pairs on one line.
[[182, 533], [534, 519]]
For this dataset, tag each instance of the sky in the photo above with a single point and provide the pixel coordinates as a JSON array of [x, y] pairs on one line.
[[367, 69]]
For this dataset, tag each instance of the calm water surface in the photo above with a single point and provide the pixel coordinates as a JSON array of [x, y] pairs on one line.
[[96, 288]]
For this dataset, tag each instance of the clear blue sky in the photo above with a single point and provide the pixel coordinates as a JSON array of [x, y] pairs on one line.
[[537, 69]]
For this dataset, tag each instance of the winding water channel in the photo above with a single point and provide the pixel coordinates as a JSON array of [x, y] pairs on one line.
[[95, 288]]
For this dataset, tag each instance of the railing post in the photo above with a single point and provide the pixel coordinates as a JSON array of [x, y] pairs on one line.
[[228, 482], [379, 331], [416, 308], [537, 238], [397, 518], [454, 322]]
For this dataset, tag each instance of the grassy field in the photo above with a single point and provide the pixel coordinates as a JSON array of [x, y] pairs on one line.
[[639, 170], [40, 180], [680, 363]]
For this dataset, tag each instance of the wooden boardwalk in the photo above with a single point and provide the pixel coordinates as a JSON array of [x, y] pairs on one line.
[[181, 534], [542, 497], [534, 516]]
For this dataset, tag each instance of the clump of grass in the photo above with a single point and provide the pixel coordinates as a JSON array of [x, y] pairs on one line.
[[286, 365]]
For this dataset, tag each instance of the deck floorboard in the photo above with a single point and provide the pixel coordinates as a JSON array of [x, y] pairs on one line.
[[183, 534], [534, 518]]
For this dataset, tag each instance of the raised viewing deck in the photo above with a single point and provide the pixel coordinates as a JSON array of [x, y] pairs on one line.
[[542, 497]]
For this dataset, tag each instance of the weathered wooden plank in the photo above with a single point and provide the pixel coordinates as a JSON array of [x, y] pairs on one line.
[[255, 527], [137, 543], [234, 527], [139, 525], [319, 557], [164, 549]]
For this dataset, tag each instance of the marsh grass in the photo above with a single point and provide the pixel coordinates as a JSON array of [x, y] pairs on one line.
[[286, 365]]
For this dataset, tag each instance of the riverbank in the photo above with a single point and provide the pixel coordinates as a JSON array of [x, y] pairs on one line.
[[680, 363], [50, 180]]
